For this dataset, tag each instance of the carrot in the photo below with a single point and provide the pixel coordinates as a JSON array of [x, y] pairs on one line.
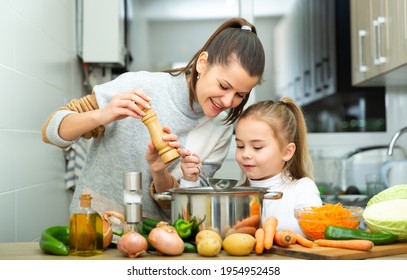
[[284, 238], [314, 222], [251, 221], [254, 208], [354, 244], [270, 228], [259, 235], [248, 230], [303, 241]]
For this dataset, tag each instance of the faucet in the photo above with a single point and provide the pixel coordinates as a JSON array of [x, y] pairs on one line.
[[394, 139]]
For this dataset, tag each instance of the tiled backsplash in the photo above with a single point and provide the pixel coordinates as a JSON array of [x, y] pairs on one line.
[[39, 72]]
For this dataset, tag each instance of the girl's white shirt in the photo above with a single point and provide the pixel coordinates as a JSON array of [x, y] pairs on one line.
[[296, 194]]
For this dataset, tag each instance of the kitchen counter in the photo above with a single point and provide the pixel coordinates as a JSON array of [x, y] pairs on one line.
[[32, 251]]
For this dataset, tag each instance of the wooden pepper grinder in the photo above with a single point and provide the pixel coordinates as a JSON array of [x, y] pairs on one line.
[[166, 152]]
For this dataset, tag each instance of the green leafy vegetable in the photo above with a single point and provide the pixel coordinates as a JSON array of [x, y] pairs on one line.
[[395, 192], [389, 216]]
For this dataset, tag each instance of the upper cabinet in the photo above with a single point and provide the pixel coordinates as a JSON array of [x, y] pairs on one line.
[[312, 58], [379, 42], [305, 51]]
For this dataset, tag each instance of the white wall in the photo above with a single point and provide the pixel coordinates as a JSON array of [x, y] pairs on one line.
[[39, 72]]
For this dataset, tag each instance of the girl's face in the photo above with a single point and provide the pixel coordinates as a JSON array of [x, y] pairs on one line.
[[220, 88], [257, 150]]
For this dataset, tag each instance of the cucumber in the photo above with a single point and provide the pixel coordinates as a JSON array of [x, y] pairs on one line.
[[343, 233], [148, 224], [189, 248]]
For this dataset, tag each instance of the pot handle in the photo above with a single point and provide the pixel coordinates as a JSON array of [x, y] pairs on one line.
[[162, 196], [272, 195]]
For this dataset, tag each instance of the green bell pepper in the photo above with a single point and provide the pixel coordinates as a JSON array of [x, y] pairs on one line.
[[195, 226], [55, 240], [183, 228]]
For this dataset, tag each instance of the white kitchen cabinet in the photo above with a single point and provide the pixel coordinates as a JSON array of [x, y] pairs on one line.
[[379, 46]]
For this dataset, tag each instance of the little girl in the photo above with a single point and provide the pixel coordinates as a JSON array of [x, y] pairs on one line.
[[271, 149]]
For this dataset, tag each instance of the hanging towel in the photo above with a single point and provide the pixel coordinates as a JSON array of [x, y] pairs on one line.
[[75, 157]]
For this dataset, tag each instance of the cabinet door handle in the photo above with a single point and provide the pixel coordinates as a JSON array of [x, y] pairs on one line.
[[307, 83], [361, 34], [297, 88], [378, 58], [326, 72], [317, 77]]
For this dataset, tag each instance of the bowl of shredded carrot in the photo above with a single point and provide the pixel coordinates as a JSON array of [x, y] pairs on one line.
[[314, 219]]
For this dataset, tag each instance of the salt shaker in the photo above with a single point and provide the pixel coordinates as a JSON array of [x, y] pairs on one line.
[[132, 196]]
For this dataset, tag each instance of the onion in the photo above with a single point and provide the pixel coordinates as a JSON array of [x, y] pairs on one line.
[[166, 240], [107, 234], [109, 218], [132, 244]]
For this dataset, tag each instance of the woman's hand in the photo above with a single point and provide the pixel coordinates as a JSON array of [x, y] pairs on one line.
[[162, 179], [152, 156], [130, 103]]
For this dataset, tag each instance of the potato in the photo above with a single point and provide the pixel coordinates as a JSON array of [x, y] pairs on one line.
[[239, 244], [209, 247], [206, 233]]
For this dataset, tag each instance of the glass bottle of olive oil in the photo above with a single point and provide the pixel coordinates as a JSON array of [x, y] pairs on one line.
[[85, 230]]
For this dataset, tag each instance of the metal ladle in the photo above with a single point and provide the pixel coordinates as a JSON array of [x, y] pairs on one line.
[[216, 183], [219, 184]]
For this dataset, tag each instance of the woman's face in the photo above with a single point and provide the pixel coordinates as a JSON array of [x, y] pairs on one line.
[[257, 150], [220, 88]]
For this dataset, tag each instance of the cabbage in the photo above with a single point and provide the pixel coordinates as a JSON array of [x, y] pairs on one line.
[[395, 192], [389, 216]]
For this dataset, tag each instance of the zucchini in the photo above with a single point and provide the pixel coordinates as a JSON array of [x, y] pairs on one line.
[[343, 233], [189, 248], [148, 224]]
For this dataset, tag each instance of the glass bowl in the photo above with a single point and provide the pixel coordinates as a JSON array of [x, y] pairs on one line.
[[313, 220]]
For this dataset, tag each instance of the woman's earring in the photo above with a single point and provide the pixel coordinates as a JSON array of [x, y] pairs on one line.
[[197, 77]]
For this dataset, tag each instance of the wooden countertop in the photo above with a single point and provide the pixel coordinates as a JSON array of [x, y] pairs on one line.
[[32, 251]]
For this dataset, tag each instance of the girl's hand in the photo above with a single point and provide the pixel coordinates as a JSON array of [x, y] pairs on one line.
[[130, 103], [190, 165]]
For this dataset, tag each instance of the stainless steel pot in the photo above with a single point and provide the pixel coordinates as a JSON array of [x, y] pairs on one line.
[[220, 209]]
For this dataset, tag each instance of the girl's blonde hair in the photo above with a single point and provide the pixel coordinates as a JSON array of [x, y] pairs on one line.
[[287, 122]]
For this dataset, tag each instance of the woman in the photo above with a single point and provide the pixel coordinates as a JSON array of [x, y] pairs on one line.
[[198, 102]]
